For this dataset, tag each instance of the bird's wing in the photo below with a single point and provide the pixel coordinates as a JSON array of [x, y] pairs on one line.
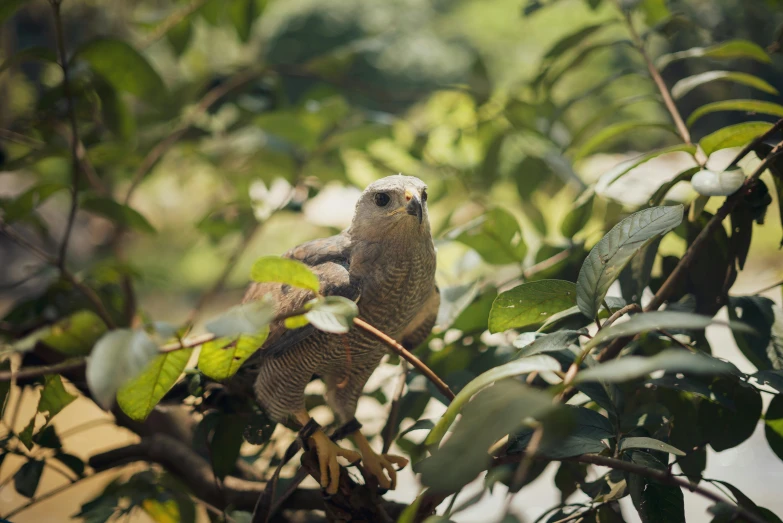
[[328, 258], [421, 325]]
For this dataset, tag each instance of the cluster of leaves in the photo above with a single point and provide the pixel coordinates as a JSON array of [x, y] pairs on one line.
[[529, 143]]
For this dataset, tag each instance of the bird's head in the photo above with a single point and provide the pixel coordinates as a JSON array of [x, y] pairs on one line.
[[392, 205]]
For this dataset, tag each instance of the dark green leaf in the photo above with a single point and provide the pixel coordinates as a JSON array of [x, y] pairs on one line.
[[39, 54], [496, 236], [610, 255], [54, 397], [422, 424], [530, 304], [579, 215], [764, 346], [225, 444], [723, 51], [179, 35], [671, 360], [555, 341], [286, 271], [747, 106], [220, 359], [118, 213], [736, 135], [656, 320], [690, 83], [122, 66], [20, 206], [47, 437], [770, 378], [656, 502], [493, 413], [585, 431], [8, 8], [635, 277], [648, 443], [139, 396], [725, 428], [27, 477], [74, 463], [773, 425], [242, 14], [26, 436], [571, 40]]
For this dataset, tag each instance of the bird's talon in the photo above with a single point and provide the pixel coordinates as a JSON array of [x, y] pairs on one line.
[[328, 452]]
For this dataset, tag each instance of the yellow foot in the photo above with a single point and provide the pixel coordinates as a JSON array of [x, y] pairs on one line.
[[328, 452], [379, 465]]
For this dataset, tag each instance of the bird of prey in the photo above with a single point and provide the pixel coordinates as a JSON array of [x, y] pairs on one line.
[[385, 262]]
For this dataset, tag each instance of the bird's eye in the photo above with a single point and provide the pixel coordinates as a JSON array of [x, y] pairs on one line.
[[381, 199], [424, 195]]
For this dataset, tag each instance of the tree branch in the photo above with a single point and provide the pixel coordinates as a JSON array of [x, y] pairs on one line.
[[34, 372], [404, 353]]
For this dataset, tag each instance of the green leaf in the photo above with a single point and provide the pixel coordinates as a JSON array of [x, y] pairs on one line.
[[579, 215], [220, 359], [573, 39], [770, 378], [648, 443], [493, 413], [530, 304], [724, 51], [26, 436], [513, 368], [495, 236], [179, 35], [286, 271], [47, 437], [657, 320], [725, 428], [242, 14], [27, 478], [248, 318], [656, 502], [733, 136], [118, 213], [556, 341], [764, 345], [9, 7], [670, 360], [613, 131], [660, 194], [74, 463], [611, 254], [626, 167], [21, 206], [743, 501], [123, 67], [225, 443], [119, 356], [746, 106], [776, 170], [76, 334], [332, 314], [37, 54], [54, 397], [690, 83], [773, 425], [422, 424], [586, 432], [139, 396]]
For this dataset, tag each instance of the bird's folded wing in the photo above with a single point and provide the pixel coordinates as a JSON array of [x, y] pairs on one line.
[[328, 258], [420, 327]]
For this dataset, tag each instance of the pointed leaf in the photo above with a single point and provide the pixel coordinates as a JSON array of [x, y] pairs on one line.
[[530, 304], [648, 443], [626, 167], [496, 236], [513, 368], [773, 425], [22, 205], [118, 213], [579, 215], [76, 334], [54, 397], [122, 66], [733, 136], [220, 359], [690, 83], [670, 360], [27, 478], [724, 428], [723, 51], [764, 345], [613, 131], [74, 463], [139, 396], [556, 341], [587, 430], [656, 502], [286, 271], [747, 106], [611, 254]]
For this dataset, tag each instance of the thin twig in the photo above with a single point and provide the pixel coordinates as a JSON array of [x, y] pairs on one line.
[[58, 27], [404, 353], [632, 307], [21, 241], [34, 372], [767, 288]]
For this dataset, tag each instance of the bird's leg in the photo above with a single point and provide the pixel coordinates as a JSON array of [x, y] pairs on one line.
[[376, 464], [328, 452]]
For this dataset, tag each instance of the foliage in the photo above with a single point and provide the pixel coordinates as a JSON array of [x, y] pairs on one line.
[[552, 265]]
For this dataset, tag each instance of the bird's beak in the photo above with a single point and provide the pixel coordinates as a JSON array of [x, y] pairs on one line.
[[414, 205]]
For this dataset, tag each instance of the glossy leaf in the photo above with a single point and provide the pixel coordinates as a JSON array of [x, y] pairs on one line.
[[332, 314], [764, 345], [285, 271], [579, 215], [725, 428], [556, 341], [124, 67], [656, 502], [220, 359], [736, 135], [495, 236], [657, 320], [118, 213], [746, 106], [248, 318], [611, 254], [686, 85], [773, 425], [586, 432], [614, 131], [514, 368], [723, 51], [119, 356], [648, 443], [139, 396], [530, 304], [670, 360]]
